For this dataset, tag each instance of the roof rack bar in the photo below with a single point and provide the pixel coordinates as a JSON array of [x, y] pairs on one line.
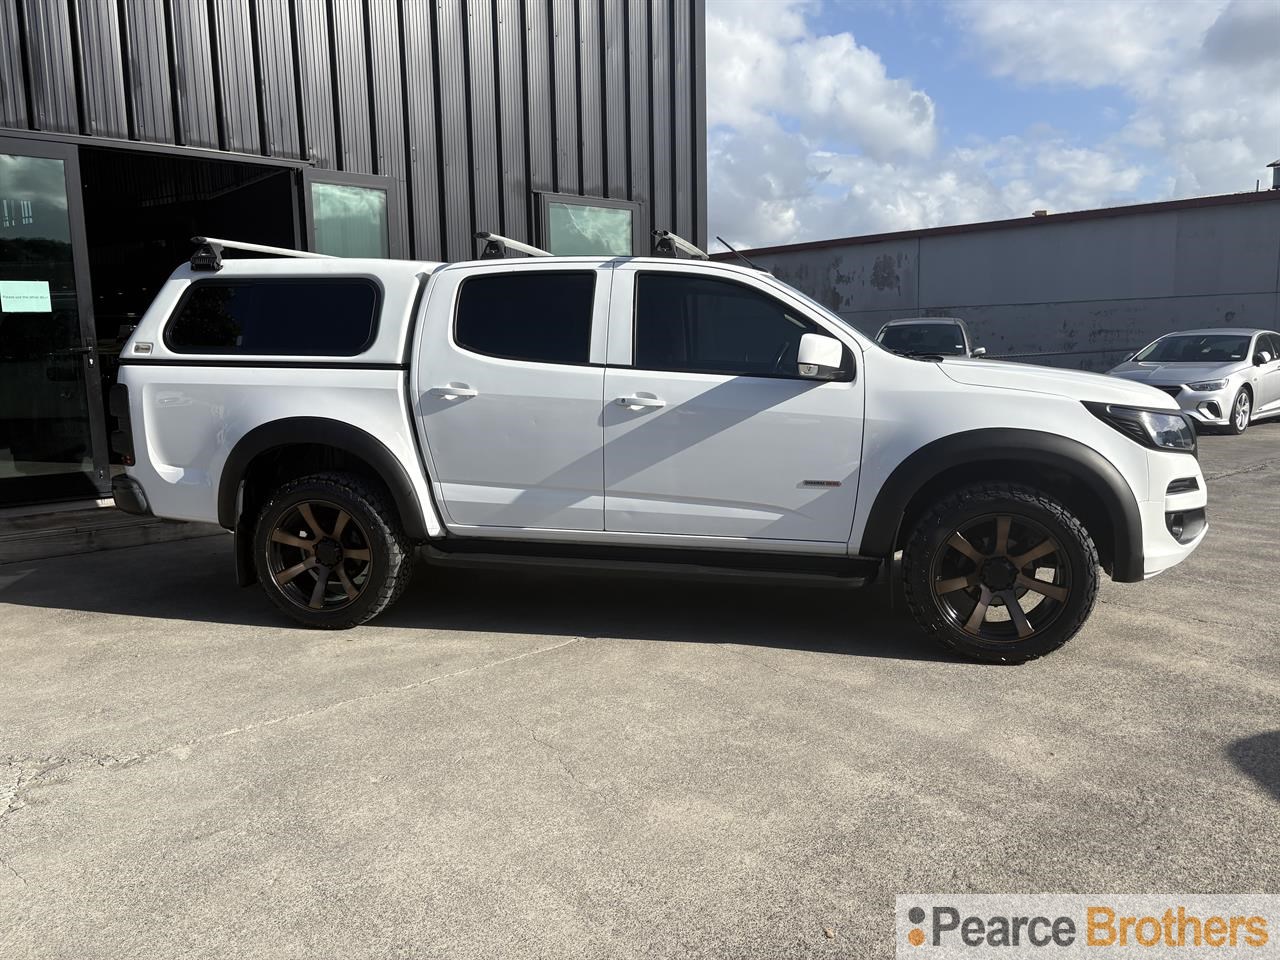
[[667, 244], [496, 247], [209, 256]]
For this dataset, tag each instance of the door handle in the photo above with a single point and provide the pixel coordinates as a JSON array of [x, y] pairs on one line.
[[453, 391], [640, 402]]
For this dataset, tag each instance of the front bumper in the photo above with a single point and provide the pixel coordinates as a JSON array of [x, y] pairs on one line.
[[1174, 515], [1210, 407]]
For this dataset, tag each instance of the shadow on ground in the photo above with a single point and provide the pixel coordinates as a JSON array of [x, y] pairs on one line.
[[1259, 757], [192, 581]]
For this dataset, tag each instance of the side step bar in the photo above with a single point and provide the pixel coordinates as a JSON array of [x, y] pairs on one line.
[[653, 561]]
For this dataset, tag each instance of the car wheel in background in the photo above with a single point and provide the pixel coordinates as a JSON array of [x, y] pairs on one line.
[[1241, 411], [1000, 572]]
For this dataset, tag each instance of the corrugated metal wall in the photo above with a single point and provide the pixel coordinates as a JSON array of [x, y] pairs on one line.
[[473, 105]]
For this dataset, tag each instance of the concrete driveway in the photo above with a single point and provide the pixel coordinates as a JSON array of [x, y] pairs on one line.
[[572, 766]]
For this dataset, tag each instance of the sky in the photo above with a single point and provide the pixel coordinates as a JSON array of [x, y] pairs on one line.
[[833, 118]]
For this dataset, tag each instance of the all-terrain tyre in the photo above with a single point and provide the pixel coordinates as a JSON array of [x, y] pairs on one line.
[[330, 552], [1000, 572]]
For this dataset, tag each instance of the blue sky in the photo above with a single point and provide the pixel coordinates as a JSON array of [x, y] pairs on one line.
[[837, 118]]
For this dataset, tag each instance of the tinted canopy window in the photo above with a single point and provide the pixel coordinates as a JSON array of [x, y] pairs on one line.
[[945, 339], [544, 317], [702, 325], [299, 318]]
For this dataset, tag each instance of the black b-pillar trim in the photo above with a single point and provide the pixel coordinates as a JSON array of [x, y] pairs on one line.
[[1081, 463]]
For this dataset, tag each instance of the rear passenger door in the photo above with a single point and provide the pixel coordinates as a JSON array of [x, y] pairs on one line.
[[508, 383]]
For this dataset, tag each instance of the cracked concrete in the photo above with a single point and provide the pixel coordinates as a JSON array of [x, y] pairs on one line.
[[576, 766]]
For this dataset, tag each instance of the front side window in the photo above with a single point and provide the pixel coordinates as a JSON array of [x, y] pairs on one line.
[[704, 325], [542, 316], [299, 318]]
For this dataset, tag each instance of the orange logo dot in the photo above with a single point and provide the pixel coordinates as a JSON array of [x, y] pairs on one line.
[[915, 937]]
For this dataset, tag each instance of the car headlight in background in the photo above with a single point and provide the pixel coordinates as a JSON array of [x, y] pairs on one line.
[[1158, 429], [1206, 385]]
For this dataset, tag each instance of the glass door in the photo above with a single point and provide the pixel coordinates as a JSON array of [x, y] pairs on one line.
[[52, 439]]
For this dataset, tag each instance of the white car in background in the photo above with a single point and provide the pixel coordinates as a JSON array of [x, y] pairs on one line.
[[1225, 377]]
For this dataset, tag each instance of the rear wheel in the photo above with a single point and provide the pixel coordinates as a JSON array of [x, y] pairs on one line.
[[1241, 411], [329, 551], [1000, 572]]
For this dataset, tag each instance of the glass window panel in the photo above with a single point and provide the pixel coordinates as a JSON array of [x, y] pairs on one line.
[[44, 416], [577, 229], [305, 318], [350, 221], [543, 317]]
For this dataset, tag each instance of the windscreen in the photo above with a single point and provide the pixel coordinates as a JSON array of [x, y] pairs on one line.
[[1196, 348], [944, 339]]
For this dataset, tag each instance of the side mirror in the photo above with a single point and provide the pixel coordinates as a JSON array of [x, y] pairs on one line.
[[979, 352], [1261, 358], [819, 357]]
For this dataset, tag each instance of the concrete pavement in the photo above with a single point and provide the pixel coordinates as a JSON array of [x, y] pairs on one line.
[[576, 766]]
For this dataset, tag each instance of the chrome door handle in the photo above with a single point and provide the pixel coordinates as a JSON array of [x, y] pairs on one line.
[[640, 402], [453, 391]]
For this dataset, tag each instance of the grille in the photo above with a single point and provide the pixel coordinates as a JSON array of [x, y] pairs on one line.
[[1183, 485], [1171, 391]]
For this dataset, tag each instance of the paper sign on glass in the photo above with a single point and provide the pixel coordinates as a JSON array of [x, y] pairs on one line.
[[25, 296]]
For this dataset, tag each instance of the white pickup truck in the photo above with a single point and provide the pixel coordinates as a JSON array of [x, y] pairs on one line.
[[344, 416]]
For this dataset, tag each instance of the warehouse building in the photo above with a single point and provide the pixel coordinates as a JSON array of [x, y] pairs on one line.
[[390, 128], [1078, 289]]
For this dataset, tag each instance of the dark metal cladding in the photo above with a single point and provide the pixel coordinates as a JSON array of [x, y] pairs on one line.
[[151, 87], [474, 106], [102, 71]]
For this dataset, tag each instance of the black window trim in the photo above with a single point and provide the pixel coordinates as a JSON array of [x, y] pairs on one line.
[[457, 301], [847, 357], [194, 285]]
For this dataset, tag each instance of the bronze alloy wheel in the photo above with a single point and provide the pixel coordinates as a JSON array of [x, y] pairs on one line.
[[1001, 578], [318, 555]]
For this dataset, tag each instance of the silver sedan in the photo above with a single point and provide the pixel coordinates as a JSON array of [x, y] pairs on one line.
[[1223, 377]]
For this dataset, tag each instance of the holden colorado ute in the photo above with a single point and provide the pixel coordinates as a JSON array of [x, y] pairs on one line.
[[344, 416]]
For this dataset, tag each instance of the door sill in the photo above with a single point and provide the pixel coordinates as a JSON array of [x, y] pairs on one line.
[[653, 561]]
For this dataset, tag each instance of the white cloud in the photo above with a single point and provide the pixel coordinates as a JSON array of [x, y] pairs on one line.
[[811, 137]]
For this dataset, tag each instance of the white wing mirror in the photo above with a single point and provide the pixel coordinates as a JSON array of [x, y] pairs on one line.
[[819, 357], [979, 352], [1260, 359]]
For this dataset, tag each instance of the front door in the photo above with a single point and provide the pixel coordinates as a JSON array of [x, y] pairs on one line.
[[52, 441], [709, 429], [508, 392]]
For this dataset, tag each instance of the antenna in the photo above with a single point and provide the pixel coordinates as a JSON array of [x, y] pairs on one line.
[[496, 247], [741, 256], [667, 244], [209, 256]]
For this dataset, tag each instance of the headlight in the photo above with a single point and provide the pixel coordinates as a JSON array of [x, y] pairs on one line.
[[1207, 385], [1157, 429]]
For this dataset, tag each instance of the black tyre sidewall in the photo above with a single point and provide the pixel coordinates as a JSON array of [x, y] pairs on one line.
[[385, 549], [969, 504]]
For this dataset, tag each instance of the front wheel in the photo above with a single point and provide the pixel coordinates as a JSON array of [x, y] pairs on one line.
[[1000, 572], [330, 552], [1241, 411]]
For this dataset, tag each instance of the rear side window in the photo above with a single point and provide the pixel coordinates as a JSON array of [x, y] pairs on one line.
[[544, 317], [289, 318]]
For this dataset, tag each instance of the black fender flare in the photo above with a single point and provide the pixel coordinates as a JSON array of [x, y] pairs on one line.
[[1080, 462], [330, 433]]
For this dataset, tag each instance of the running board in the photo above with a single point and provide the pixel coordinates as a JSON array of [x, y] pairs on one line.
[[653, 561]]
